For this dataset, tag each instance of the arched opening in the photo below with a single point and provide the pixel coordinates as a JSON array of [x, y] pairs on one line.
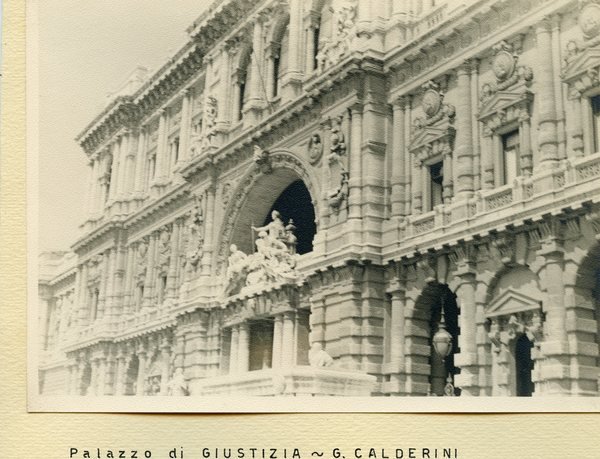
[[435, 299], [241, 82], [281, 190], [295, 204], [523, 366], [279, 55], [515, 321], [587, 306]]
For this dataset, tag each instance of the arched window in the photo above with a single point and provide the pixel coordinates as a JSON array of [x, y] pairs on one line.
[[242, 81], [279, 56]]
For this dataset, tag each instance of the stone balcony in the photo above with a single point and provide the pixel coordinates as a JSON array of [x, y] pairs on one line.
[[572, 183], [294, 381]]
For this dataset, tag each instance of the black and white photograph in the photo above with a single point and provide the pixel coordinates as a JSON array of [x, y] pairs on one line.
[[347, 205]]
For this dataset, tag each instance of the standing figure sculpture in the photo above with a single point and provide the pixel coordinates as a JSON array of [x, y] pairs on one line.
[[178, 385]]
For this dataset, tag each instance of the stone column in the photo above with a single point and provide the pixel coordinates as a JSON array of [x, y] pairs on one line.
[[425, 188], [82, 311], [546, 98], [294, 30], [234, 354], [79, 381], [130, 154], [558, 86], [463, 150], [174, 260], [417, 188], [93, 389], [277, 340], [475, 124], [447, 183], [91, 180], [525, 154], [243, 354], [487, 160], [120, 375], [165, 368], [355, 166], [97, 191], [129, 281], [555, 348], [208, 246], [161, 149], [397, 329], [576, 124], [287, 346], [44, 300], [101, 389], [140, 163], [256, 96], [124, 154], [104, 276], [141, 376], [398, 165], [184, 131], [149, 280], [408, 159], [466, 360]]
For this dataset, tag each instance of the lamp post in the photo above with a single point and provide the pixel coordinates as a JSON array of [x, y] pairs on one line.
[[442, 344]]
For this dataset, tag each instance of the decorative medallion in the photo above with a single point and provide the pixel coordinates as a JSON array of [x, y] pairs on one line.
[[589, 20], [504, 62], [432, 101], [315, 148], [504, 65], [432, 98]]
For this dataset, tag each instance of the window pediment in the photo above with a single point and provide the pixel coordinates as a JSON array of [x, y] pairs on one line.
[[581, 70], [501, 103], [512, 302], [430, 141]]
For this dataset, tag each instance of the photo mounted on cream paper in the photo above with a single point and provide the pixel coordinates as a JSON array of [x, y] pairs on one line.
[[326, 205]]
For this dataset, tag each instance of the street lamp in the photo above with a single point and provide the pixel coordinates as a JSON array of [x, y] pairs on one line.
[[442, 344]]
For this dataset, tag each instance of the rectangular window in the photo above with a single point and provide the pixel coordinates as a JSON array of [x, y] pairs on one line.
[[436, 174], [261, 345], [595, 102], [510, 156]]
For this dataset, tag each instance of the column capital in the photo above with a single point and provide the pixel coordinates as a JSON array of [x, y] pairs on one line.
[[401, 102]]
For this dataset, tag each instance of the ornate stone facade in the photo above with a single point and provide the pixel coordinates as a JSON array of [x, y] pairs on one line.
[[352, 178]]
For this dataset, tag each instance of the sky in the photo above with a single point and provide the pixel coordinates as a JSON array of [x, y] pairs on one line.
[[87, 48]]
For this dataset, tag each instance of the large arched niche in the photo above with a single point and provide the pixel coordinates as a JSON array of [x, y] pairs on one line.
[[514, 314], [434, 299], [587, 307], [254, 197]]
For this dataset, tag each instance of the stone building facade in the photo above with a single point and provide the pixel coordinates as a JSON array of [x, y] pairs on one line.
[[438, 160]]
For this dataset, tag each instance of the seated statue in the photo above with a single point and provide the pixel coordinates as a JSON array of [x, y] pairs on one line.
[[275, 229], [318, 357]]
